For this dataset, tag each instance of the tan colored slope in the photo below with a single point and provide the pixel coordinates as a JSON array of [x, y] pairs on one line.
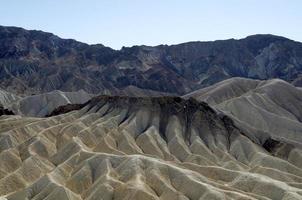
[[42, 104], [142, 148], [273, 106], [224, 90]]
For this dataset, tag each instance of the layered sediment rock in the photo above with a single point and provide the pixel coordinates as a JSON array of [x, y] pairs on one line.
[[143, 148]]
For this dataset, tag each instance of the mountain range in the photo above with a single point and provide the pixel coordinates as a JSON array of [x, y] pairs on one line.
[[34, 62], [217, 120]]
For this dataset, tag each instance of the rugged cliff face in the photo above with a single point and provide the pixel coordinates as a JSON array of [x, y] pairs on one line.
[[36, 62]]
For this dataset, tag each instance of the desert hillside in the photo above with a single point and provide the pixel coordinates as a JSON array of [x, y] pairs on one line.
[[271, 107], [144, 148]]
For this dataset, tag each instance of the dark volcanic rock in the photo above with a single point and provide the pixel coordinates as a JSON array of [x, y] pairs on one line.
[[35, 62]]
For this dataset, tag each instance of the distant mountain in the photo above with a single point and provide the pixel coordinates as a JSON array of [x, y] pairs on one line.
[[34, 62]]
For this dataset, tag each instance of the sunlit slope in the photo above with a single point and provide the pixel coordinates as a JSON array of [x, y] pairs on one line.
[[143, 148], [41, 105], [272, 106]]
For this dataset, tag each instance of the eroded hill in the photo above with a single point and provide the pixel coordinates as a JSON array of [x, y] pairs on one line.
[[271, 107], [143, 148]]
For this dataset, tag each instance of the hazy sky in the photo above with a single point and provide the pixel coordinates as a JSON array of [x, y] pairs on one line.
[[118, 23]]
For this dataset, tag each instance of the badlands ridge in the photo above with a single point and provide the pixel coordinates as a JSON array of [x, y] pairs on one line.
[[244, 143]]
